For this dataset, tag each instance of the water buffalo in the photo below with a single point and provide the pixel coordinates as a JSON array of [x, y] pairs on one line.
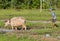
[[15, 22]]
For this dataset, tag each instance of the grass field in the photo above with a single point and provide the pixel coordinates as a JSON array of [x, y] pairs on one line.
[[36, 33], [31, 35], [28, 14], [37, 30]]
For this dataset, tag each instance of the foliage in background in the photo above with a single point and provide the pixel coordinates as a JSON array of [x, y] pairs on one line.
[[28, 4]]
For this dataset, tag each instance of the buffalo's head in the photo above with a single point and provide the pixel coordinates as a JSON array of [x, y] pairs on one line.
[[7, 22]]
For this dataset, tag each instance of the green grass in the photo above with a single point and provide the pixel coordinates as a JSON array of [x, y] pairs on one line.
[[5, 37], [37, 28], [1, 24], [29, 35], [28, 14], [34, 34]]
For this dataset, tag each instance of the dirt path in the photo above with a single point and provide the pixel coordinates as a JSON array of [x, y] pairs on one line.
[[42, 21]]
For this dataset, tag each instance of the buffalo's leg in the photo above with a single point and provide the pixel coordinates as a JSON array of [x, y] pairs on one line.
[[15, 28], [24, 27], [12, 28]]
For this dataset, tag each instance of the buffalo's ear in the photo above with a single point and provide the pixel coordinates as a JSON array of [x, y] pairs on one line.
[[6, 20]]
